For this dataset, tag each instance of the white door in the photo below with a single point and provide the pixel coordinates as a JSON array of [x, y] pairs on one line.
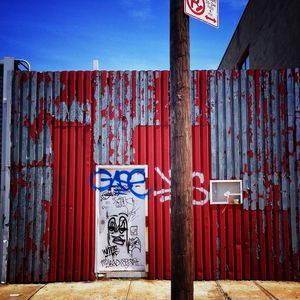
[[121, 204]]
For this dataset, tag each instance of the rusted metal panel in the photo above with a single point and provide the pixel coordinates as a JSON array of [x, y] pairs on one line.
[[265, 157], [6, 95], [244, 125], [31, 179], [1, 168], [1, 109]]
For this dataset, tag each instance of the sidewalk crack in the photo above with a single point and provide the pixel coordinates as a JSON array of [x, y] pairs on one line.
[[224, 294], [128, 290], [265, 291], [36, 291]]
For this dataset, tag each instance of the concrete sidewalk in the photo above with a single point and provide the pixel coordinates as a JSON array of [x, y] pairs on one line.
[[149, 289]]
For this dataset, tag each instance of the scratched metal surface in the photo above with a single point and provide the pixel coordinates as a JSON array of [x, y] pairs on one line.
[[255, 136], [244, 125], [1, 206], [1, 109]]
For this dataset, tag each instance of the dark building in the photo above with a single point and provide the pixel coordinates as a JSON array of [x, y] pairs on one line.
[[267, 37]]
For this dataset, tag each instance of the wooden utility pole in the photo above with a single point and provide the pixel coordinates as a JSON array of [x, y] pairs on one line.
[[181, 155]]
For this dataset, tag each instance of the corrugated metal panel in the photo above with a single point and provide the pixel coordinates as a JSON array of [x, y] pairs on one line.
[[1, 110], [8, 67], [1, 205], [31, 177], [245, 125], [255, 137]]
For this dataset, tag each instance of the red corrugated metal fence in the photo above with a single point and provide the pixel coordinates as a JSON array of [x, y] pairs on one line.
[[245, 125]]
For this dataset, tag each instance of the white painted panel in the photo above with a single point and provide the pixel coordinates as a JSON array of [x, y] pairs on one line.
[[121, 200]]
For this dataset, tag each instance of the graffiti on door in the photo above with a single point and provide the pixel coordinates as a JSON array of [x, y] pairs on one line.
[[120, 239]]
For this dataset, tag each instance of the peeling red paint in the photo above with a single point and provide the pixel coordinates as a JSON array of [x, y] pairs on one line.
[[150, 106], [111, 114], [126, 102], [46, 235], [127, 82], [250, 106], [282, 90], [143, 110], [295, 75], [103, 113], [103, 82], [72, 163], [111, 79], [14, 186], [219, 75], [235, 74], [251, 153], [48, 78], [250, 135], [282, 111], [150, 88], [259, 155], [251, 72], [37, 126]]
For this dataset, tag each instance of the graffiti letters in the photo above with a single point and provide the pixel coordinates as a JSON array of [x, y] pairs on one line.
[[198, 180], [111, 251], [123, 262], [121, 182], [106, 195]]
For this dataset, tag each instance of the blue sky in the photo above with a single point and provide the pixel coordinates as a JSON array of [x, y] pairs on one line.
[[122, 34]]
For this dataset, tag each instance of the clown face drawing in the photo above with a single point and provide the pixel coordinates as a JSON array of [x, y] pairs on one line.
[[117, 233]]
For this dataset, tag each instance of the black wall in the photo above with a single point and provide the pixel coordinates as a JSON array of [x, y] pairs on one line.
[[270, 30]]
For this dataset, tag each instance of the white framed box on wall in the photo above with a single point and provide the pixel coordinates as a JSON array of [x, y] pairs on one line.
[[226, 192]]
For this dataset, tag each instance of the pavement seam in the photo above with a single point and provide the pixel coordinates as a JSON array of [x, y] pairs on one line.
[[36, 291], [224, 294], [265, 291], [128, 290]]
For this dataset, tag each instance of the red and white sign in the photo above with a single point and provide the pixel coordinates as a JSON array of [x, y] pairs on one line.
[[204, 10]]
